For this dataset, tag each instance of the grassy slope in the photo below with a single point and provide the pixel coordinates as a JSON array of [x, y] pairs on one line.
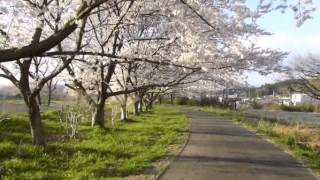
[[111, 153], [297, 140]]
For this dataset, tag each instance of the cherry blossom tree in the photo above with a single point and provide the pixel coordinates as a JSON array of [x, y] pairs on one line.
[[305, 75], [166, 43], [26, 69], [32, 13], [302, 9]]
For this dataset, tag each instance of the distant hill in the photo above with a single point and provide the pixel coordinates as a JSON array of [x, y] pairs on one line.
[[283, 88]]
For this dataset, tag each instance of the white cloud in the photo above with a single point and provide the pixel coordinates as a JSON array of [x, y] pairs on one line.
[[255, 79], [296, 45]]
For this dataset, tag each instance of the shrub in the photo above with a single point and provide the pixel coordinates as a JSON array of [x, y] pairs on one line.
[[71, 118], [299, 108], [204, 101], [50, 115], [317, 108], [183, 101], [256, 105]]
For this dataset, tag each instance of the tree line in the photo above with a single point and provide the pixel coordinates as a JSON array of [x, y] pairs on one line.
[[128, 49]]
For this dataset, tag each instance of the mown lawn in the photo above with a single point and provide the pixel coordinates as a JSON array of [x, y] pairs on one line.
[[128, 149]]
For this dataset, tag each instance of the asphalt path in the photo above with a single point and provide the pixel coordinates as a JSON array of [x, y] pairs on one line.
[[219, 149]]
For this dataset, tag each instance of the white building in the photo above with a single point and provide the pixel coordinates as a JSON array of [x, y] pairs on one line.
[[299, 98], [232, 96], [284, 100], [245, 100]]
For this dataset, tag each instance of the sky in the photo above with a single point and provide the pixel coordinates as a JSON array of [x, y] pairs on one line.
[[297, 41]]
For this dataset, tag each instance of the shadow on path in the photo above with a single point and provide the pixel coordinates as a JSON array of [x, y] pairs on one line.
[[218, 149]]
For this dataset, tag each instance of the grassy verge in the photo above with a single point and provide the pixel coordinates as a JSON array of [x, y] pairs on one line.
[[301, 141], [98, 154]]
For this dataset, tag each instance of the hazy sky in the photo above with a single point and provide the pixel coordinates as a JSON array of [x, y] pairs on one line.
[[287, 37]]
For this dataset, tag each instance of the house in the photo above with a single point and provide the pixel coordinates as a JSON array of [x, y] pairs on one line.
[[284, 100], [300, 98], [245, 100], [233, 96]]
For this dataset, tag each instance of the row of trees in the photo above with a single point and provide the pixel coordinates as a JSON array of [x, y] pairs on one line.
[[127, 48]]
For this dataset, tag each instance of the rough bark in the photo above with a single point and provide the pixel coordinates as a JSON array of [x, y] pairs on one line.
[[171, 98], [98, 115], [51, 87], [150, 105], [39, 99], [124, 108], [49, 97], [124, 113], [37, 132], [140, 106], [136, 108]]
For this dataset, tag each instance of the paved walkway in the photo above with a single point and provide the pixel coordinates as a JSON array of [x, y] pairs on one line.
[[218, 149]]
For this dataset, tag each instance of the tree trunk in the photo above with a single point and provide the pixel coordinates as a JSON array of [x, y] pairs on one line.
[[124, 113], [98, 114], [171, 98], [49, 85], [37, 132], [136, 108], [140, 106], [160, 100], [39, 99], [150, 105], [124, 109], [49, 97]]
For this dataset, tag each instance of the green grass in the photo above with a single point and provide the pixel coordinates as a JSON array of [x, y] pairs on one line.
[[305, 152], [100, 154]]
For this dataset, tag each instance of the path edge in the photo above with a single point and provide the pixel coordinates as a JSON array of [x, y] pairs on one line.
[[178, 154]]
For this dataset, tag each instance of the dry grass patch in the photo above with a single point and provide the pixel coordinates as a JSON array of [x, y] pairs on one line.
[[305, 135]]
